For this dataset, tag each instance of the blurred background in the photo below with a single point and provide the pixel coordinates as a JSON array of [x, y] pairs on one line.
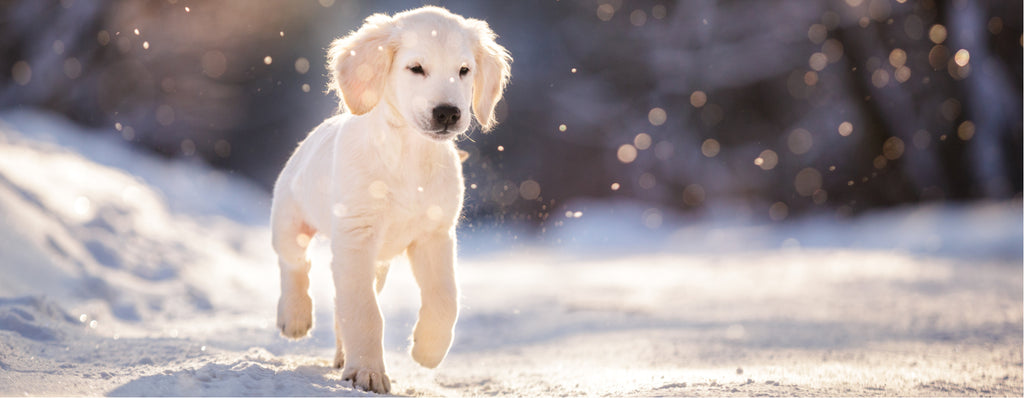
[[769, 109]]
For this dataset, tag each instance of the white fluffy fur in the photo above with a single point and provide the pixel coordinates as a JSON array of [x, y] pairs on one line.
[[377, 181]]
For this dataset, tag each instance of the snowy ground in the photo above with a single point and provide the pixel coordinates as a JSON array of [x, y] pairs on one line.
[[123, 282]]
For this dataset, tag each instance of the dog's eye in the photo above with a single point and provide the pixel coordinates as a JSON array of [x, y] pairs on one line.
[[464, 71], [417, 70]]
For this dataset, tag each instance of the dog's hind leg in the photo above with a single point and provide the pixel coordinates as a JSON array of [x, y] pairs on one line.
[[291, 236]]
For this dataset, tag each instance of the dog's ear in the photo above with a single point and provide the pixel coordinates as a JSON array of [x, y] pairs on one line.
[[492, 74], [360, 62]]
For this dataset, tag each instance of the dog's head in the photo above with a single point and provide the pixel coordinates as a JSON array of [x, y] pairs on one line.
[[427, 64]]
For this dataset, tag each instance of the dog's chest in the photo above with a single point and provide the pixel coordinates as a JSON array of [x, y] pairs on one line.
[[419, 206]]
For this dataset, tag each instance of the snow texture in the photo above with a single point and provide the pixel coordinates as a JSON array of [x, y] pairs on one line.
[[127, 275]]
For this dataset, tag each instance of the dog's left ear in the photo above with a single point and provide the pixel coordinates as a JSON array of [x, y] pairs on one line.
[[359, 64], [493, 72]]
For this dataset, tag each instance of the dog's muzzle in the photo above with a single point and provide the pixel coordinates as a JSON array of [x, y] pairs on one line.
[[445, 116]]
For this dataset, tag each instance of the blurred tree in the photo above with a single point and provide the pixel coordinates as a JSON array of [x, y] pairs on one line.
[[753, 105]]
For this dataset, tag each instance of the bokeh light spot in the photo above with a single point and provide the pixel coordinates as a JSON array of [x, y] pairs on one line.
[[995, 25], [965, 131], [651, 218], [21, 72], [302, 65], [605, 12], [811, 78], [897, 58], [659, 12], [893, 148], [962, 57], [339, 210], [303, 240], [833, 50], [693, 195], [902, 74], [698, 99], [626, 153], [817, 33], [778, 211], [434, 213], [937, 34], [800, 141], [188, 147], [103, 37], [880, 78], [807, 181], [767, 160], [165, 115], [529, 190], [950, 109], [937, 57], [378, 189], [845, 128], [819, 197], [642, 141], [81, 206], [72, 68], [818, 61], [913, 27], [222, 148], [638, 18], [647, 181], [710, 147], [657, 116], [879, 162]]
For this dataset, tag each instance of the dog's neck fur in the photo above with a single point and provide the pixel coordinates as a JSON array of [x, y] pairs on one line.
[[397, 142]]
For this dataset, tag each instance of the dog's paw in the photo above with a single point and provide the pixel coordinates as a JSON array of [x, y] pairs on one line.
[[368, 380], [429, 354], [295, 315], [429, 347]]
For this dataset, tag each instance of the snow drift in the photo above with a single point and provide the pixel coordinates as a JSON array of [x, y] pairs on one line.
[[126, 274]]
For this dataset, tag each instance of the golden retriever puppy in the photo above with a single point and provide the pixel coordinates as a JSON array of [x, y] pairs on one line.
[[386, 178]]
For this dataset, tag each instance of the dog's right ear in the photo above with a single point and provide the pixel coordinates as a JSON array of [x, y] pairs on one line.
[[360, 62]]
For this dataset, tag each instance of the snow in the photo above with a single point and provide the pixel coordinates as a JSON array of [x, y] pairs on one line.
[[127, 274]]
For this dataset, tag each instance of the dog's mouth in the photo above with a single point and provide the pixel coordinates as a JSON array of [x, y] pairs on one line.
[[440, 135]]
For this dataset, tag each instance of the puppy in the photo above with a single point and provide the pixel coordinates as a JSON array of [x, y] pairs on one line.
[[385, 178]]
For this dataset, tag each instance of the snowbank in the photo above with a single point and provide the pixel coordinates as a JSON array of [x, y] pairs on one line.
[[125, 274]]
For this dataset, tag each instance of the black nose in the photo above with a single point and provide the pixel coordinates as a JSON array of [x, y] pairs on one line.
[[446, 115]]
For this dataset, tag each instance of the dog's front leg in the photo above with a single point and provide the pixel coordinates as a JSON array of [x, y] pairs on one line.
[[358, 318], [433, 265]]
